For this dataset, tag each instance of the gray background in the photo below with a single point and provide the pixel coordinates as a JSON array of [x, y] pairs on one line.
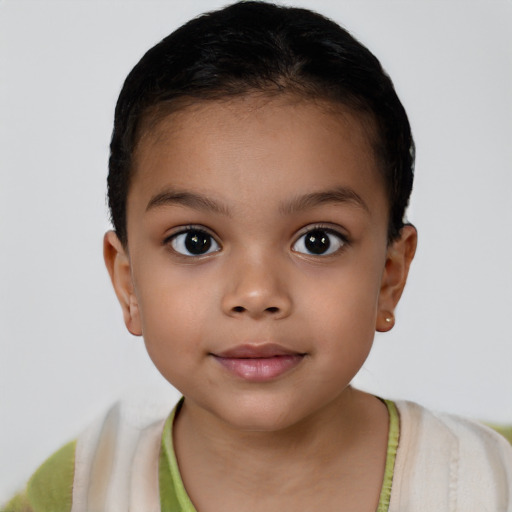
[[65, 354]]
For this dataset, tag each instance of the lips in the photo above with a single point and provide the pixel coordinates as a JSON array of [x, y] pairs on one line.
[[259, 363]]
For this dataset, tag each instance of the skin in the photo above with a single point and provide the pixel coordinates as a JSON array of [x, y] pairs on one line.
[[250, 161]]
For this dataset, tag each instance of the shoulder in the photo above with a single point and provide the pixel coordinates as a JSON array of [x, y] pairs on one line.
[[113, 463], [116, 459], [450, 463], [51, 487]]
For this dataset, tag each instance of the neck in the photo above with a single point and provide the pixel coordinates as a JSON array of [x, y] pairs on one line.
[[331, 441]]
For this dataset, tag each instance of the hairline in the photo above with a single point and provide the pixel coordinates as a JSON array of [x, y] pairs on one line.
[[155, 115]]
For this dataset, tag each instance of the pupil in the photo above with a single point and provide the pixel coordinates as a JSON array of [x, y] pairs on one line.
[[317, 242], [197, 242]]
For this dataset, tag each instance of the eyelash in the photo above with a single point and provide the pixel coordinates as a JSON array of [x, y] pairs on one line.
[[342, 240], [173, 241], [179, 246]]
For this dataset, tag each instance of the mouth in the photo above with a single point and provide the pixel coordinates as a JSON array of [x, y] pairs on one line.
[[259, 363]]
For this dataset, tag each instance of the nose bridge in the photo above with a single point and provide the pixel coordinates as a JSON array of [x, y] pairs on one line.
[[256, 286]]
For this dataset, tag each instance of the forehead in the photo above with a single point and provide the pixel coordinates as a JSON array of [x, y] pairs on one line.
[[257, 147]]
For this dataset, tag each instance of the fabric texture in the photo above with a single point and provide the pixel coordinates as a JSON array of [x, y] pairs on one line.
[[173, 495], [126, 461], [393, 438], [51, 486], [446, 463]]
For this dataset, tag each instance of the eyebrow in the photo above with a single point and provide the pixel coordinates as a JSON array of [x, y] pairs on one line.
[[186, 198], [301, 203], [337, 195]]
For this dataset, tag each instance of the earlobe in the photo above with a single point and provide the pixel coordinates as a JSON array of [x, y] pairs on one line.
[[118, 266], [399, 256], [385, 321]]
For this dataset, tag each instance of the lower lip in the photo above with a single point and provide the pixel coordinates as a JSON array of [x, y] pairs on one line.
[[260, 369]]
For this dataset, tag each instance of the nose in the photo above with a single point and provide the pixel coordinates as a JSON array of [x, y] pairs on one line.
[[256, 289]]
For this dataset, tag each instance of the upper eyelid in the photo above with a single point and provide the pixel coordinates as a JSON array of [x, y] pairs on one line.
[[344, 239], [338, 230], [169, 240], [335, 230], [190, 227]]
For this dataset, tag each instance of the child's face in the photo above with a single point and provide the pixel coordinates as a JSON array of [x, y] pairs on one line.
[[258, 265]]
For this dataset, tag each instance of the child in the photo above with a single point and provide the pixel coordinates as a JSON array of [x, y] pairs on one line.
[[260, 168]]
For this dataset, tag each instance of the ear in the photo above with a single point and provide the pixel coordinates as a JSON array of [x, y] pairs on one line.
[[118, 266], [398, 260]]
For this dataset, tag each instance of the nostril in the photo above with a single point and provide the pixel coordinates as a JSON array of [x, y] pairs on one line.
[[241, 309]]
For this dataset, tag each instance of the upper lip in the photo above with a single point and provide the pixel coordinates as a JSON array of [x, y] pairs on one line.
[[254, 351]]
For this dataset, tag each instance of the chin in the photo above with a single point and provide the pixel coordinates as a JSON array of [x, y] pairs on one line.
[[260, 415]]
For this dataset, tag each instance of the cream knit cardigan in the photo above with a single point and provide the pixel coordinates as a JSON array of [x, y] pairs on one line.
[[443, 464], [448, 464]]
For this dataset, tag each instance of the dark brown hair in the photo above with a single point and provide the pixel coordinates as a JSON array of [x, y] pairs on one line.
[[261, 47]]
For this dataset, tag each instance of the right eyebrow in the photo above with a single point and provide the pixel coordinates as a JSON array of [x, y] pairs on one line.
[[186, 198], [338, 195]]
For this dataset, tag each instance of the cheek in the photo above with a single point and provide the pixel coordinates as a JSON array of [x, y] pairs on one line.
[[342, 304], [344, 335], [352, 290], [174, 310], [346, 325]]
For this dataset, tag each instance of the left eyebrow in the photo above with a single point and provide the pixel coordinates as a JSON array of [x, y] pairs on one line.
[[186, 198], [337, 195]]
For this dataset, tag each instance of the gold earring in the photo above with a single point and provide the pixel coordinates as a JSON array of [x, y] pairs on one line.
[[389, 321], [385, 321], [390, 318]]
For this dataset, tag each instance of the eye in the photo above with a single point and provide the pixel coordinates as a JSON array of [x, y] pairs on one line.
[[319, 242], [194, 242]]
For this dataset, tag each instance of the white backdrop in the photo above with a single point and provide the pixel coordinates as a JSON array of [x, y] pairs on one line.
[[64, 352]]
